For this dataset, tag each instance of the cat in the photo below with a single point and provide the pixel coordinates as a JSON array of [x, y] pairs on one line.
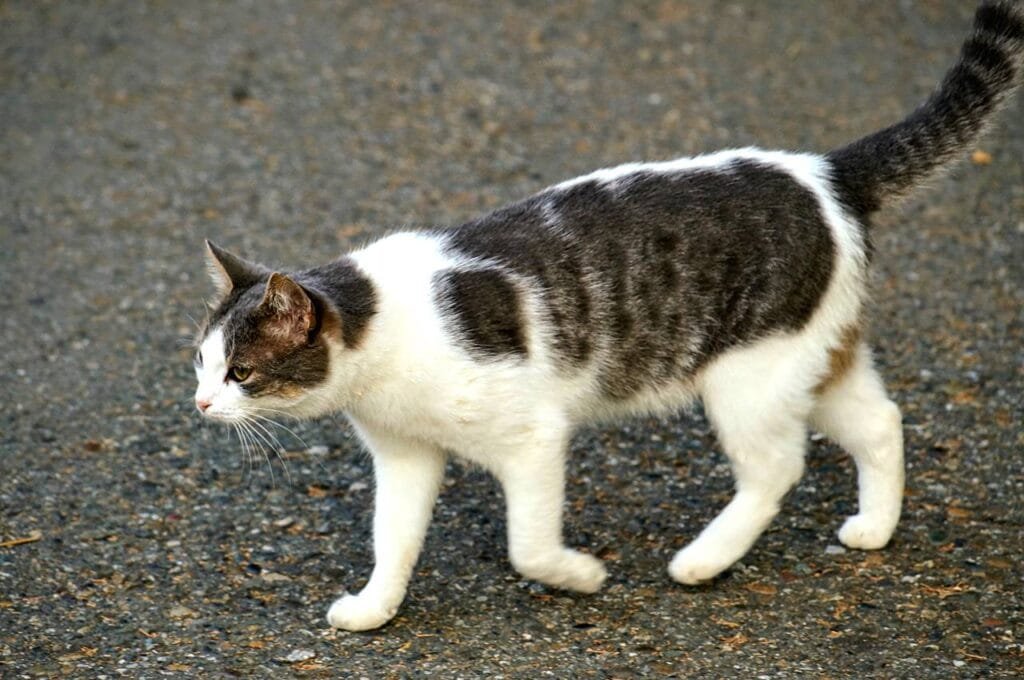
[[738, 278]]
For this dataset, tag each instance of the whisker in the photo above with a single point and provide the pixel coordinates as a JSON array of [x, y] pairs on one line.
[[255, 448], [282, 426], [265, 449], [240, 441], [264, 443], [250, 455], [271, 421], [255, 440], [247, 453], [193, 320], [268, 410], [275, 444], [184, 342], [305, 444]]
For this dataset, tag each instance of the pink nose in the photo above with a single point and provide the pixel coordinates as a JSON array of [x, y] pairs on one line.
[[202, 404]]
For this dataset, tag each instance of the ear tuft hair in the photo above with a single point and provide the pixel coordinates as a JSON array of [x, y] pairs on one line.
[[289, 307]]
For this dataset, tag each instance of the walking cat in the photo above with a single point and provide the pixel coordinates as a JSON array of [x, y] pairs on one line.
[[738, 278]]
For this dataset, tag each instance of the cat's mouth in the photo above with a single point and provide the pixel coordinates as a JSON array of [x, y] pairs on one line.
[[220, 417], [211, 411]]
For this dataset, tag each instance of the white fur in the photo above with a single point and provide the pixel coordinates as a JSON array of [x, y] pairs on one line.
[[413, 395], [223, 396]]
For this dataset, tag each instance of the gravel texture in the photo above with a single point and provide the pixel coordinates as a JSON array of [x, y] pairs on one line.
[[291, 132]]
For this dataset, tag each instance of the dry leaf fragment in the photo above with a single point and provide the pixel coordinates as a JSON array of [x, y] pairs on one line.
[[958, 513], [308, 666], [980, 157], [32, 537], [762, 588], [841, 609], [942, 592], [965, 397], [737, 640]]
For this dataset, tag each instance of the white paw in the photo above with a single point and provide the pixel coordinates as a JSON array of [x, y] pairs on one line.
[[864, 532], [586, 572], [569, 569], [692, 565], [359, 612]]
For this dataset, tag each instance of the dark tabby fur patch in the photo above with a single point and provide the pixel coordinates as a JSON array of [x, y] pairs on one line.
[[350, 293], [661, 271], [484, 310]]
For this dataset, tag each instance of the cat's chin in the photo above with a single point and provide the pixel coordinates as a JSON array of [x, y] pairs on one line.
[[223, 417]]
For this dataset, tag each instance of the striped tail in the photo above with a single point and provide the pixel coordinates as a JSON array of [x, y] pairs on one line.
[[888, 164]]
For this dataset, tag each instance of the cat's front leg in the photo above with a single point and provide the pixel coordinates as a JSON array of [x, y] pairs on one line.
[[408, 476], [533, 479]]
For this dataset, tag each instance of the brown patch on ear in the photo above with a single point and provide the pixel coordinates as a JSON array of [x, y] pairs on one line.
[[229, 271], [290, 310], [840, 358]]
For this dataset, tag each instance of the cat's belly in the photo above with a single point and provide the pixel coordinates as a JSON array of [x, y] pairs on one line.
[[662, 400]]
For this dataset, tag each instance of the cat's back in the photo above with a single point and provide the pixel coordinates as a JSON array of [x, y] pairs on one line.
[[645, 271]]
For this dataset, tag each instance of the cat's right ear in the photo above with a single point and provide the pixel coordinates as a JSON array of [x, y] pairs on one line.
[[229, 271]]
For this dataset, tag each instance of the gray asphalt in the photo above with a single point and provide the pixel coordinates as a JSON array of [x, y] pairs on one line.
[[130, 131]]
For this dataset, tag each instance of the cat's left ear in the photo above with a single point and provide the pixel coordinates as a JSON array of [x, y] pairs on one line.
[[229, 271], [289, 308]]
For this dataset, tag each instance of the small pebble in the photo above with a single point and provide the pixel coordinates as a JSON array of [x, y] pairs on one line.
[[835, 550], [274, 577], [298, 655]]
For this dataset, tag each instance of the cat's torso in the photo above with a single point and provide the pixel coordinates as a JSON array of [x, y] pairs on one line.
[[606, 295]]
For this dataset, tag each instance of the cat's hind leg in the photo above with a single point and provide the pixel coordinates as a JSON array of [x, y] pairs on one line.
[[854, 411], [532, 475], [408, 476], [758, 399]]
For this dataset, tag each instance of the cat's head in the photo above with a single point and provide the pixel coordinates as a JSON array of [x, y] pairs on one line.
[[266, 345]]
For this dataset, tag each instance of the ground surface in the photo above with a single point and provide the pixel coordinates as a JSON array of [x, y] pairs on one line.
[[131, 131]]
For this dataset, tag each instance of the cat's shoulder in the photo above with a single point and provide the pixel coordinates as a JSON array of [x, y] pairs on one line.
[[406, 254]]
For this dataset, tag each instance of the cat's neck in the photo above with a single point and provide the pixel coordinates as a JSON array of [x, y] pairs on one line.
[[357, 354]]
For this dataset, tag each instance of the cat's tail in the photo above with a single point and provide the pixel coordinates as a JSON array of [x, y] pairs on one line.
[[887, 164]]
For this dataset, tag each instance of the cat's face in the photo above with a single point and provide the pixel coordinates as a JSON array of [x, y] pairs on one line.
[[265, 348]]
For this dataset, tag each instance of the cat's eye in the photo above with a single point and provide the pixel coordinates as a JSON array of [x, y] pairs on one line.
[[239, 373], [197, 360]]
